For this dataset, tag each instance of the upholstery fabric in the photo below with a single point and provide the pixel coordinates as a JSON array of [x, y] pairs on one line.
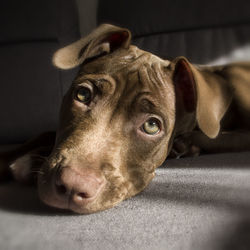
[[198, 203], [207, 32], [31, 88]]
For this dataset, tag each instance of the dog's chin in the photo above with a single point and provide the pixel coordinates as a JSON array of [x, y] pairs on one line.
[[89, 208]]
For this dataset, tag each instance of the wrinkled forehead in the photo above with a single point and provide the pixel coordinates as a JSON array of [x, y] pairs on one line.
[[136, 76], [129, 60]]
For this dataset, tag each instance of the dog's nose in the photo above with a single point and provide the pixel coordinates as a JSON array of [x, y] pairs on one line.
[[78, 188]]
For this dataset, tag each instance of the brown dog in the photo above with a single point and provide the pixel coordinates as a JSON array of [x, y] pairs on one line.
[[125, 112]]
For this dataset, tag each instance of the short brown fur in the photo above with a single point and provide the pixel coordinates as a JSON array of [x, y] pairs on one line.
[[105, 137]]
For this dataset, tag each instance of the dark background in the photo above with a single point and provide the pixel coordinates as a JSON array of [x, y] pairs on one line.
[[31, 89]]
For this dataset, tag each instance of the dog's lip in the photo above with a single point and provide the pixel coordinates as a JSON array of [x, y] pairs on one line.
[[83, 208]]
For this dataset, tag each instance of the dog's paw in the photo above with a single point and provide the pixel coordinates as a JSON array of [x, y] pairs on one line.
[[25, 168], [183, 147], [21, 169]]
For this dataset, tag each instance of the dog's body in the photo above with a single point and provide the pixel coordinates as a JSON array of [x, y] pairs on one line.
[[126, 111]]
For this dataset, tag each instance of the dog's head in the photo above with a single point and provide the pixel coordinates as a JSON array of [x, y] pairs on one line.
[[117, 122]]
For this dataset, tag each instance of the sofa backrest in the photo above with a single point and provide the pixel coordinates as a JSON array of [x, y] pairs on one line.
[[208, 32], [31, 88]]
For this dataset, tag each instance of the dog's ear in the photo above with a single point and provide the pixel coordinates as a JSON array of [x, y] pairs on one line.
[[201, 92], [104, 39]]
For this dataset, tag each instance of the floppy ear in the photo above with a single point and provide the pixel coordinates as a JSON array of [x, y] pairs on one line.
[[203, 92], [104, 39]]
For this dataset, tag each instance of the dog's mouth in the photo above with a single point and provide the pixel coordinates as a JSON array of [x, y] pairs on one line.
[[87, 206], [55, 194], [85, 188]]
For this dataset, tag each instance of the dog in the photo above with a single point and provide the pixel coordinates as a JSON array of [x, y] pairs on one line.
[[125, 112]]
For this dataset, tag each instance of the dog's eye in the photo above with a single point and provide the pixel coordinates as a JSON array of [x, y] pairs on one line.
[[83, 95], [152, 126]]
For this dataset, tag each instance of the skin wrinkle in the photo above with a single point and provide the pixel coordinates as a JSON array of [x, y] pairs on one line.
[[105, 83], [95, 146], [104, 138], [148, 76], [136, 175]]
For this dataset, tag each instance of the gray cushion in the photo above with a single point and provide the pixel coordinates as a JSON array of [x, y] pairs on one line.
[[198, 203], [205, 46]]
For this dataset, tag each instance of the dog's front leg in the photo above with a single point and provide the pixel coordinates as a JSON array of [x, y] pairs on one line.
[[24, 162], [183, 146]]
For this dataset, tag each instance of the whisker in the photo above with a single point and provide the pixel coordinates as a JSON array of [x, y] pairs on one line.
[[37, 172]]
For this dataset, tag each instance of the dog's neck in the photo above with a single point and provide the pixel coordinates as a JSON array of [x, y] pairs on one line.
[[185, 122]]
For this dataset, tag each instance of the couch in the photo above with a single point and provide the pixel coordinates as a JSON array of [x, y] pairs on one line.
[[200, 203]]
